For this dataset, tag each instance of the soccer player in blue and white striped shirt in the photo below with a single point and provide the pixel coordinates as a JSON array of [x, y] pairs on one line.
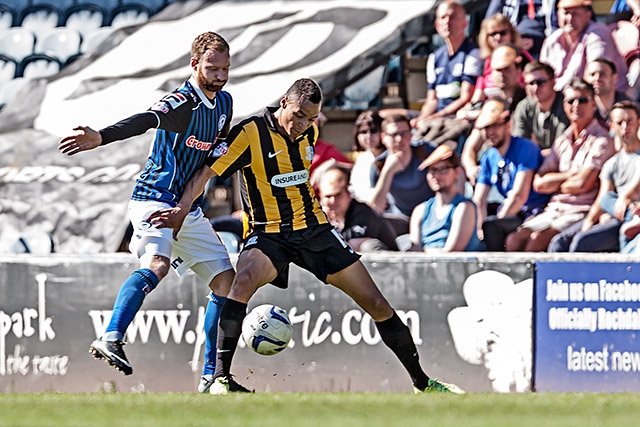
[[190, 122]]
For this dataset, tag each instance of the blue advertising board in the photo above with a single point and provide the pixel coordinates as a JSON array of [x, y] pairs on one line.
[[587, 320]]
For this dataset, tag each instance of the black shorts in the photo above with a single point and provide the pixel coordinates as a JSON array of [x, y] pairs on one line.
[[319, 249]]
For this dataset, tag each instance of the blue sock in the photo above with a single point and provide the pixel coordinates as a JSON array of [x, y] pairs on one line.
[[129, 301], [211, 317]]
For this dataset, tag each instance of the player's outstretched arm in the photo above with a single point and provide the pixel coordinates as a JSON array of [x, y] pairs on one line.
[[174, 217], [84, 139]]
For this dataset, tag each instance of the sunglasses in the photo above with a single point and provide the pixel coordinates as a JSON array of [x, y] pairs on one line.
[[581, 100], [498, 33], [536, 82]]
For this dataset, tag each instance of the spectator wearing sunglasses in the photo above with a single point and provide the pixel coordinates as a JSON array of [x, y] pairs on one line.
[[569, 173], [495, 31], [534, 19], [540, 117]]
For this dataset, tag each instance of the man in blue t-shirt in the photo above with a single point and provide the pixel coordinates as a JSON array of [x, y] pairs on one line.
[[508, 165]]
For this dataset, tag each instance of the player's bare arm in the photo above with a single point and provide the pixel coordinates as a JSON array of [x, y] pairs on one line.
[[84, 139], [174, 217]]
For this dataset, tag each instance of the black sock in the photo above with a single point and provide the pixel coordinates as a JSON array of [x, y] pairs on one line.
[[397, 337], [229, 330]]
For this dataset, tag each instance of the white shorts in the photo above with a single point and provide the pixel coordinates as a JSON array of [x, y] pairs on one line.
[[198, 246], [556, 217]]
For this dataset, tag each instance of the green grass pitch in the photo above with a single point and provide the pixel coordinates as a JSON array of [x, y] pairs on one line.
[[319, 409]]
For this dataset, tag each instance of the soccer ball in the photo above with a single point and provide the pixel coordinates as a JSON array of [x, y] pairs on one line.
[[267, 329]]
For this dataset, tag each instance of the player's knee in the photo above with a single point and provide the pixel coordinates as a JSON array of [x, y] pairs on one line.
[[221, 283], [245, 283], [379, 309], [160, 266]]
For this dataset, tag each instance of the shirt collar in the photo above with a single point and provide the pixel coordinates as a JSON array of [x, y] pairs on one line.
[[206, 101]]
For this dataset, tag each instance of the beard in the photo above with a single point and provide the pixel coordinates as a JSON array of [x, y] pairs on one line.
[[211, 86]]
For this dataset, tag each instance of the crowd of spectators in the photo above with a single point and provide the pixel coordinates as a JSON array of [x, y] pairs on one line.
[[527, 140]]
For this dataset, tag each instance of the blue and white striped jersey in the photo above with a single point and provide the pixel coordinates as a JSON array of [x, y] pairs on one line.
[[189, 126]]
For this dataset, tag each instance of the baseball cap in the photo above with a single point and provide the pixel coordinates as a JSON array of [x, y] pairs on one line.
[[565, 4], [492, 110], [442, 152], [503, 56]]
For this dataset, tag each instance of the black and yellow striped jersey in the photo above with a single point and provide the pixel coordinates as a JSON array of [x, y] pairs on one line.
[[276, 193]]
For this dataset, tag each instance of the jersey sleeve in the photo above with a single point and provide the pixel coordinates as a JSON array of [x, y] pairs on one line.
[[174, 111], [131, 126], [232, 154], [472, 67], [431, 71]]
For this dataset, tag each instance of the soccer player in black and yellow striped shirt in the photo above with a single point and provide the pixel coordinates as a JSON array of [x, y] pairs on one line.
[[273, 152]]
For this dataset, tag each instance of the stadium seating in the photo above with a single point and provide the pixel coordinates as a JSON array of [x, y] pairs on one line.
[[18, 6], [155, 6], [84, 18], [40, 37], [17, 42], [61, 5], [8, 68], [6, 16], [128, 14], [107, 5], [39, 65], [40, 18], [61, 42]]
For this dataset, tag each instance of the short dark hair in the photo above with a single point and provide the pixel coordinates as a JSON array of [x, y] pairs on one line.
[[208, 41], [394, 118], [307, 88], [608, 63], [577, 83], [537, 66], [626, 105]]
